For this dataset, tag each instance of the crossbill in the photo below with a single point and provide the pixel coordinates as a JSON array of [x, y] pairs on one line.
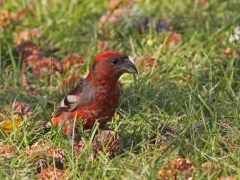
[[96, 98]]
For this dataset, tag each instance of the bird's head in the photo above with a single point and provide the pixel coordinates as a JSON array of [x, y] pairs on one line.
[[110, 65]]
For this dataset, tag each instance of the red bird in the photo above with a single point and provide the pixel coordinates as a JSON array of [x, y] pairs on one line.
[[96, 98]]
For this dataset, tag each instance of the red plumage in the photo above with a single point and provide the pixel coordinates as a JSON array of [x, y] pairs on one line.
[[96, 97]]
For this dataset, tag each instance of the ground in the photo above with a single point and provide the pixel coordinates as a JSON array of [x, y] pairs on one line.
[[178, 118]]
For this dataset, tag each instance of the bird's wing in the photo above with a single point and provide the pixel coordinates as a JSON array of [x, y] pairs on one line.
[[79, 96]]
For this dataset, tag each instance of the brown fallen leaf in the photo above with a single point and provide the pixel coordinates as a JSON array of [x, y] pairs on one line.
[[12, 116]]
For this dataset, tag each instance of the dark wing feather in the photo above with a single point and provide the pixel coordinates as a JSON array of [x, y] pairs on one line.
[[59, 111], [72, 100]]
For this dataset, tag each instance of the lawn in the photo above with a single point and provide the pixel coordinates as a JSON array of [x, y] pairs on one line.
[[179, 118]]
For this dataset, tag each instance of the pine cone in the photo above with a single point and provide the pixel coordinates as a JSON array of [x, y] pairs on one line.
[[56, 152], [147, 62], [22, 109], [24, 13], [108, 142], [40, 151], [109, 18], [36, 147], [27, 48], [116, 4], [103, 45], [6, 150], [78, 147], [39, 160], [167, 134], [72, 62], [25, 82], [52, 174], [144, 25], [115, 12], [150, 61], [70, 83], [164, 138], [174, 39], [5, 17], [27, 35], [19, 109], [209, 168], [178, 166], [44, 66], [2, 2]]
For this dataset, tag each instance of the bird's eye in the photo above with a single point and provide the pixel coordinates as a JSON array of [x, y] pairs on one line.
[[114, 61]]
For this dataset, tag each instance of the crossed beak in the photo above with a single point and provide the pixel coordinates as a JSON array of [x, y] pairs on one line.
[[129, 67]]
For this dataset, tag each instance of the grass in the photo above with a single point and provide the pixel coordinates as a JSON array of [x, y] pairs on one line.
[[192, 87]]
